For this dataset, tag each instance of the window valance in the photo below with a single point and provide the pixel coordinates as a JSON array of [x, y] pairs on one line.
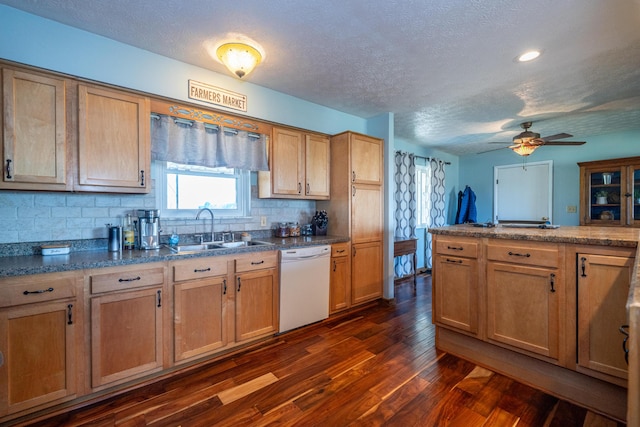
[[195, 143]]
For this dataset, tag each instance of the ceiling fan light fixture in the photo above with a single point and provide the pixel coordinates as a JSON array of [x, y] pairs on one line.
[[524, 149], [239, 58], [529, 55]]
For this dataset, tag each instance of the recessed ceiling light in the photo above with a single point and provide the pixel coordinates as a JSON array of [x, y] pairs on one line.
[[529, 56]]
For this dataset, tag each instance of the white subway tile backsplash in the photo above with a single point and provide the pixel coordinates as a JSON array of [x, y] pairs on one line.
[[50, 200], [81, 200], [30, 212]]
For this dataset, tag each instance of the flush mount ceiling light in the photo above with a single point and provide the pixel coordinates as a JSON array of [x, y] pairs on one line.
[[529, 56], [240, 58]]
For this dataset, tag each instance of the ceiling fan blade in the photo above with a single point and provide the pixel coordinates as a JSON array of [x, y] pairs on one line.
[[499, 142], [556, 136], [564, 142]]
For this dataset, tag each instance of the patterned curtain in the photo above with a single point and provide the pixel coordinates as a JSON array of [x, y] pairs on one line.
[[405, 215], [436, 217]]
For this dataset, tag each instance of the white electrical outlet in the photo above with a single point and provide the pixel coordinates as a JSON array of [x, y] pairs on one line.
[[572, 209], [263, 221]]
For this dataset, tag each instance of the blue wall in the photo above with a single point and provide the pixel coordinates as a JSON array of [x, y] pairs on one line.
[[476, 170]]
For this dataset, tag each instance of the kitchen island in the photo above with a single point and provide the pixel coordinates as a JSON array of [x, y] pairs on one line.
[[543, 306]]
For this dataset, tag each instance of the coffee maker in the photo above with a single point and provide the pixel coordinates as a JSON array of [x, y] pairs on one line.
[[148, 229]]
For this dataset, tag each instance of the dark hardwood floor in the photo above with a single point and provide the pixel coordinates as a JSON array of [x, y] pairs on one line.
[[374, 367]]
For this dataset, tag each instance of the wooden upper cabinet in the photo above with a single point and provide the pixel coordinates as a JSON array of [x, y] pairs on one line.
[[113, 141], [317, 158], [34, 137], [366, 159], [299, 166]]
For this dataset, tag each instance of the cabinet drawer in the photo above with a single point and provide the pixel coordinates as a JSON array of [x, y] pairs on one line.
[[457, 247], [256, 261], [199, 268], [38, 288], [339, 249], [126, 278], [545, 255]]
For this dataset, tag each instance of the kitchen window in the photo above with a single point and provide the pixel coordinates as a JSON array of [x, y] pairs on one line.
[[184, 189]]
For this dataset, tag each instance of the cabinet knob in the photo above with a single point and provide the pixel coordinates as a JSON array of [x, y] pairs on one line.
[[624, 330]]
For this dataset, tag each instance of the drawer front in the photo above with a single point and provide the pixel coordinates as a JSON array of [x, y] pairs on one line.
[[457, 247], [530, 254], [122, 279], [339, 249], [199, 268], [38, 288], [256, 261]]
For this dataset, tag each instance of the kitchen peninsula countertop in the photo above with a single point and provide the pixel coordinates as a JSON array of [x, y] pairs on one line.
[[581, 235], [38, 264]]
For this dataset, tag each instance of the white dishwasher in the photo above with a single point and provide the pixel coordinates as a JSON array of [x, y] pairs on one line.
[[304, 286]]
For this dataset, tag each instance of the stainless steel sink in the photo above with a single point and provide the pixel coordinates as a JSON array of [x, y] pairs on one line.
[[211, 246]]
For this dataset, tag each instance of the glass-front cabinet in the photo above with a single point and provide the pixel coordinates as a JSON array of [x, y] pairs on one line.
[[610, 192]]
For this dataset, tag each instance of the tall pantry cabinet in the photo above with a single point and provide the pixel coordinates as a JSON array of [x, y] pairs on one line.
[[356, 209]]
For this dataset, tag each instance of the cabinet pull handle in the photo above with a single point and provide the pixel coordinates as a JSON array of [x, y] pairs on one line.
[[257, 262], [584, 266], [354, 252], [527, 255], [627, 194], [69, 314], [353, 191], [141, 178], [299, 188], [334, 265], [239, 284], [308, 188], [201, 270], [133, 279], [353, 176], [41, 291], [340, 251], [458, 261], [552, 280], [9, 169], [159, 298], [624, 329], [224, 286], [455, 248]]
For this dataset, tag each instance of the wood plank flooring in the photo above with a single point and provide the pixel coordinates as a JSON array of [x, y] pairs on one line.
[[374, 367]]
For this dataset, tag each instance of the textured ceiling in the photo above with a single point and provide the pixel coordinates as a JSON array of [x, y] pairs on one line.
[[445, 68]]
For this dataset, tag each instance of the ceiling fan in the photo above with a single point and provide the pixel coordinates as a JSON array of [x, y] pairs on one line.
[[527, 142]]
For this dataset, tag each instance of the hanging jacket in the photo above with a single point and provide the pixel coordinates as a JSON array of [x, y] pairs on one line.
[[467, 210]]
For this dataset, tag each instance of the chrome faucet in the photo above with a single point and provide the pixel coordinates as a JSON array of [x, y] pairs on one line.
[[211, 213]]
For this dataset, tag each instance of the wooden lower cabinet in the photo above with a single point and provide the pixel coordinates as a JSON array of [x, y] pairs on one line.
[[126, 323], [523, 307], [366, 272], [603, 289], [41, 325], [455, 293], [257, 296], [340, 278], [200, 292]]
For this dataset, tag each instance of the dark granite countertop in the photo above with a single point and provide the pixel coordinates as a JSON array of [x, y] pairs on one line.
[[100, 258]]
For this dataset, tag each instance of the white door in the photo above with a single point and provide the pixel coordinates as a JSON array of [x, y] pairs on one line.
[[523, 192]]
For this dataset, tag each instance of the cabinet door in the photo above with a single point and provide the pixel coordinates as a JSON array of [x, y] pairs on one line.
[[366, 160], [604, 200], [366, 272], [603, 288], [113, 145], [257, 301], [366, 213], [199, 317], [126, 335], [455, 293], [340, 284], [522, 307], [317, 155], [287, 162], [37, 348], [34, 140]]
